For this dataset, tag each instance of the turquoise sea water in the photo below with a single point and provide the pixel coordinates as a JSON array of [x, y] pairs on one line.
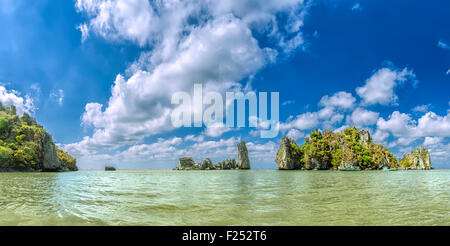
[[228, 197]]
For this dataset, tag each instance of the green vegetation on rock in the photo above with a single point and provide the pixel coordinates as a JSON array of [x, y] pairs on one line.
[[26, 146], [352, 148], [419, 158]]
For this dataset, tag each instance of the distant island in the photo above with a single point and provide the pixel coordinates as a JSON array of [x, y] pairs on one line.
[[26, 146], [110, 168], [352, 149]]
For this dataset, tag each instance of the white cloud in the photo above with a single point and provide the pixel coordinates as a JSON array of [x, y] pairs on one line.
[[380, 136], [263, 151], [407, 130], [443, 45], [432, 124], [133, 20], [362, 117], [340, 99], [84, 31], [162, 150], [216, 130], [440, 152], [331, 113], [421, 108], [194, 138], [356, 7], [146, 23], [288, 102], [379, 88], [11, 97], [295, 134], [432, 141], [58, 96], [304, 121], [399, 124]]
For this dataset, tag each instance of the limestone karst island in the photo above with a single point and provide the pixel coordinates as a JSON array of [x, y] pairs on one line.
[[350, 150], [26, 146]]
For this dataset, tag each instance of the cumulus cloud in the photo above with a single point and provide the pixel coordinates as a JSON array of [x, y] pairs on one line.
[[362, 117], [432, 141], [340, 99], [406, 129], [380, 87], [216, 130], [134, 20], [146, 22], [194, 138], [295, 134], [332, 111], [421, 108], [12, 97]]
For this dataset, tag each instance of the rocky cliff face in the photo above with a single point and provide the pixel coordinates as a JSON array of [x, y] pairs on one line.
[[186, 163], [50, 160], [285, 158], [418, 159], [27, 146], [243, 161]]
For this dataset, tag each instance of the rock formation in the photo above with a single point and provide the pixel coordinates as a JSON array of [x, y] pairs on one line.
[[364, 137], [226, 165], [351, 149], [285, 158], [50, 158], [187, 163], [207, 164], [243, 161], [418, 159], [27, 146]]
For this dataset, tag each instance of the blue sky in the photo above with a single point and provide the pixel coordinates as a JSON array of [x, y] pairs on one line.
[[99, 74]]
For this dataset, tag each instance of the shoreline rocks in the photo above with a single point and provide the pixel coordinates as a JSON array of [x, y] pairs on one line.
[[188, 163]]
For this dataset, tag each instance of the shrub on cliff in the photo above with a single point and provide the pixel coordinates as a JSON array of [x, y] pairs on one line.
[[22, 143], [68, 161]]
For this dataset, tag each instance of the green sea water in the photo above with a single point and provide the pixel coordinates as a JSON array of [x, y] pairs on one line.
[[234, 197]]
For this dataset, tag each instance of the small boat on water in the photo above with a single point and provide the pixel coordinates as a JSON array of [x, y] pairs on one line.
[[389, 169]]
